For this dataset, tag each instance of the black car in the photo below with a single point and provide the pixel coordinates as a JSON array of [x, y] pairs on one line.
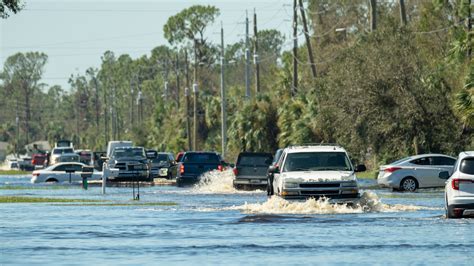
[[251, 170], [163, 165]]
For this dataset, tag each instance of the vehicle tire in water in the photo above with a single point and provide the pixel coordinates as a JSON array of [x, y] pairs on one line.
[[449, 211], [51, 180], [408, 184]]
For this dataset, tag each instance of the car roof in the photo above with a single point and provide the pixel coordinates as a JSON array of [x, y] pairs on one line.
[[255, 153], [465, 154], [127, 148], [315, 148], [429, 155]]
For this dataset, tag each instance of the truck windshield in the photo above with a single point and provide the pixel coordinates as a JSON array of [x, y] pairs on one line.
[[122, 153], [201, 158], [254, 160], [317, 161], [62, 151], [161, 158]]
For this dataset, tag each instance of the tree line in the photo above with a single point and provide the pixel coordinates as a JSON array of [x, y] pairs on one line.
[[404, 87]]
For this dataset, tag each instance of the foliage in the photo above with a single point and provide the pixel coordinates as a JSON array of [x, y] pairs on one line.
[[7, 6]]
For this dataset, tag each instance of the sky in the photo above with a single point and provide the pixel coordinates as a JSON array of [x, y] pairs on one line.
[[75, 33]]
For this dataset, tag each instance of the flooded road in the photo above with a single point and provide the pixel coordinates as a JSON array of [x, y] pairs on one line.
[[215, 224]]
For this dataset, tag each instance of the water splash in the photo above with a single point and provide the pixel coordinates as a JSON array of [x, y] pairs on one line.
[[218, 182], [369, 202]]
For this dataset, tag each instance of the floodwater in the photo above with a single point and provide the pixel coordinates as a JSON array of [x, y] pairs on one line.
[[214, 224]]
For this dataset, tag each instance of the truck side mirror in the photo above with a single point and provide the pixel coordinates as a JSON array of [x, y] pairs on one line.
[[444, 175], [274, 169]]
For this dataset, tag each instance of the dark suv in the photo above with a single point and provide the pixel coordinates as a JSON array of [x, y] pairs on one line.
[[194, 164], [251, 170]]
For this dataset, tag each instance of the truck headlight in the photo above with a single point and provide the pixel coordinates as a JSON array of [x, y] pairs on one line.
[[352, 183]]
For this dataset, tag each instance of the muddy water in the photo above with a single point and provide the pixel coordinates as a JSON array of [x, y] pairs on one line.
[[213, 223]]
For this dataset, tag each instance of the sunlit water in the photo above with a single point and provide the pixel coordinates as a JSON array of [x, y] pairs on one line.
[[213, 223]]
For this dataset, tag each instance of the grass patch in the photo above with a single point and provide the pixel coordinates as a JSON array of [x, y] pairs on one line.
[[14, 172], [10, 187], [22, 199], [368, 174]]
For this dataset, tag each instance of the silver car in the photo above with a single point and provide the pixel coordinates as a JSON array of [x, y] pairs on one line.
[[420, 171]]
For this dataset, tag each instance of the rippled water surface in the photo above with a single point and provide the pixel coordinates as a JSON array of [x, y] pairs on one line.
[[215, 224]]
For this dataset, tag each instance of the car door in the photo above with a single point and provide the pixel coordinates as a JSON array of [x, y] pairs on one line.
[[440, 164], [423, 171]]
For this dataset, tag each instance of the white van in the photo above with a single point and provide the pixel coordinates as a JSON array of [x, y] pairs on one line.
[[117, 143]]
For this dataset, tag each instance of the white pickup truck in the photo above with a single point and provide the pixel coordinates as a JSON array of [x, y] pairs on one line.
[[315, 171]]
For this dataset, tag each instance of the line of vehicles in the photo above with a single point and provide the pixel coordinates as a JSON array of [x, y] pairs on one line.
[[295, 172]]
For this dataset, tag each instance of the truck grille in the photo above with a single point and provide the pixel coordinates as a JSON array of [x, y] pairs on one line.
[[121, 166], [319, 185], [319, 192]]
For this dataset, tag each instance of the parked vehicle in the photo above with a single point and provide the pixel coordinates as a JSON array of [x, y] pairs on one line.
[[412, 173], [179, 156], [64, 144], [39, 160], [194, 164], [459, 189], [316, 171], [61, 172], [115, 144], [63, 154], [131, 162], [163, 165], [85, 157], [12, 164], [251, 170], [98, 159]]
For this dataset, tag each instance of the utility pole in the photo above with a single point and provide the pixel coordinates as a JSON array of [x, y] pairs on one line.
[[132, 96], [373, 15], [195, 100], [294, 89], [17, 127], [186, 94], [308, 39], [177, 80], [403, 13], [469, 29], [106, 118], [247, 57], [255, 54], [96, 104], [223, 109]]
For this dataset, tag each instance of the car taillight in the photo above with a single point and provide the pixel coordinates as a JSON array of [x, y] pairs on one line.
[[236, 171], [392, 169], [220, 167], [181, 169], [33, 161], [456, 181]]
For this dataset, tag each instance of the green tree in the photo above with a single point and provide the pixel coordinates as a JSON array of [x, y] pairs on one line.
[[7, 6]]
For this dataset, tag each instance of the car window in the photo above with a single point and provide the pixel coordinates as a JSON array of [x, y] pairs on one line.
[[422, 161], [254, 160], [60, 168], [201, 158], [401, 160], [467, 166], [170, 157], [440, 160], [317, 161], [277, 156]]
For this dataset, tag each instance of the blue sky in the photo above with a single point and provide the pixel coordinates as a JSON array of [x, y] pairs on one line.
[[74, 34]]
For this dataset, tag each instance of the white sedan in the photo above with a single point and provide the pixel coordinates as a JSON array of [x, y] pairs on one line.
[[62, 172], [459, 190], [412, 173]]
